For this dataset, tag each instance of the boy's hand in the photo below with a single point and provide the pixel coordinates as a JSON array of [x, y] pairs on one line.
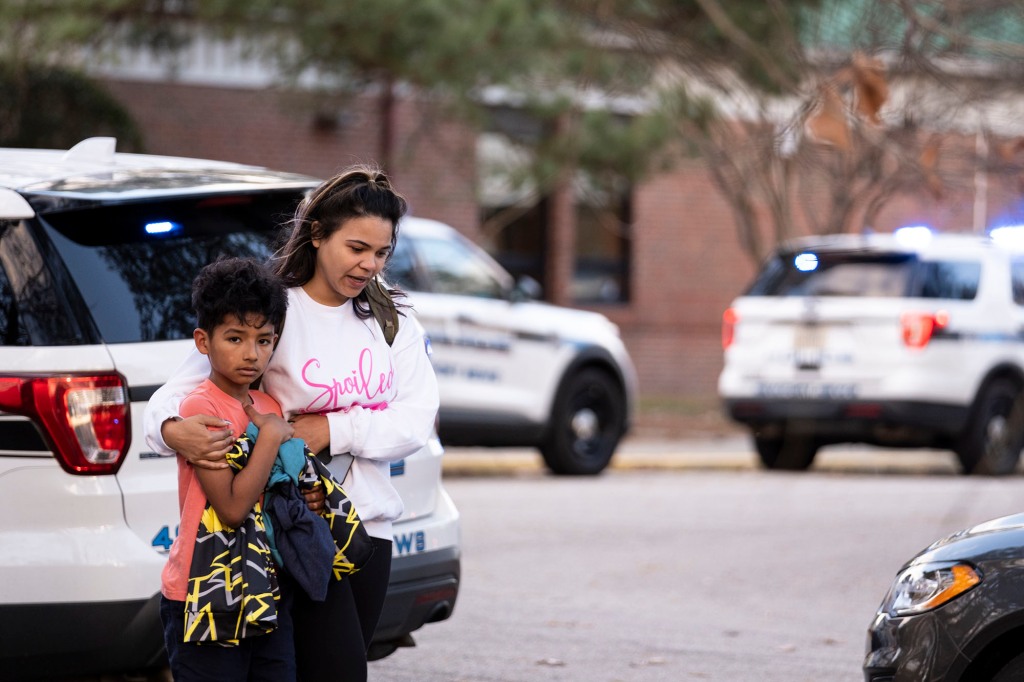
[[313, 429], [270, 424], [201, 439]]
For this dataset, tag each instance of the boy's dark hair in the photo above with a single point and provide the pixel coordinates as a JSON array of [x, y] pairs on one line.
[[242, 287]]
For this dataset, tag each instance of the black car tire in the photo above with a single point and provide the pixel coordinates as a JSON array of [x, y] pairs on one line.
[[992, 443], [1012, 671], [785, 452], [587, 421]]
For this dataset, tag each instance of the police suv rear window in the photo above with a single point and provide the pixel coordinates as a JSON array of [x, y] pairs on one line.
[[33, 307], [133, 263], [865, 274]]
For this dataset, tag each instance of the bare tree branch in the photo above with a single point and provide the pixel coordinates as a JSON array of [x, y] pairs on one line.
[[734, 33]]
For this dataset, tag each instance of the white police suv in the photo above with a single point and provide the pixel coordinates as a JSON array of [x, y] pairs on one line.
[[513, 371], [911, 339], [97, 254]]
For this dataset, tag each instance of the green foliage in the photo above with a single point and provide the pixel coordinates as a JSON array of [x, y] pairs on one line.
[[757, 39], [49, 107], [447, 44], [53, 31], [587, 72], [920, 30]]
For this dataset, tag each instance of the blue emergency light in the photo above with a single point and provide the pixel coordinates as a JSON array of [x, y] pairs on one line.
[[162, 227], [806, 262]]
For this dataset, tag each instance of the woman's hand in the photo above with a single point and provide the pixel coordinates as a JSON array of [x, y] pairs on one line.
[[315, 498], [313, 429], [201, 439]]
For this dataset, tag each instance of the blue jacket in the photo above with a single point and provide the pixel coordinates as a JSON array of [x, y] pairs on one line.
[[311, 548]]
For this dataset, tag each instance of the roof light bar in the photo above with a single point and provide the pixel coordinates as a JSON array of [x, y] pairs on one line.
[[1008, 236]]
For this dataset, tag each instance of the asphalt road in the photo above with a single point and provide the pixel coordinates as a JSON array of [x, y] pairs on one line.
[[684, 562]]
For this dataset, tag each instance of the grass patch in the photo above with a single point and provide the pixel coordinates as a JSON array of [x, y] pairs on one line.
[[682, 416], [684, 405]]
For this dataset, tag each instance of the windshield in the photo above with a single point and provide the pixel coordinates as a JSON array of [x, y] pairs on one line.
[[446, 266], [866, 274]]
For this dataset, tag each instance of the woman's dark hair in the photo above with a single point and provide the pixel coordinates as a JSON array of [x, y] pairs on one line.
[[353, 193], [242, 287]]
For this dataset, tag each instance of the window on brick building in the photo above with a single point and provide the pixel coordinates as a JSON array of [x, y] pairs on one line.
[[515, 222], [603, 219], [518, 238]]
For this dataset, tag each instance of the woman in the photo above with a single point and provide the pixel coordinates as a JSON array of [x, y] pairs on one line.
[[345, 389]]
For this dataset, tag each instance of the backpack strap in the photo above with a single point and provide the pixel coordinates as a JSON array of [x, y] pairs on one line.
[[383, 308]]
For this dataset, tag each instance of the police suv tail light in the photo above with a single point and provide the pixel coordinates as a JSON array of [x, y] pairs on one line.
[[918, 328], [85, 418], [729, 320]]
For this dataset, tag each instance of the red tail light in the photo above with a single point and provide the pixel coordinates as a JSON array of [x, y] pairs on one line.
[[918, 328], [729, 320], [85, 418]]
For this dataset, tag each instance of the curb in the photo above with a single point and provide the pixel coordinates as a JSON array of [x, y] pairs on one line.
[[636, 455], [720, 454]]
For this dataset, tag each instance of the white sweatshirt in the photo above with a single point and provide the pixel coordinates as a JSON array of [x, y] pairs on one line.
[[381, 400]]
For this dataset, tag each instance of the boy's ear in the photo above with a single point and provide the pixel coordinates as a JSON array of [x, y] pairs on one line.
[[202, 340]]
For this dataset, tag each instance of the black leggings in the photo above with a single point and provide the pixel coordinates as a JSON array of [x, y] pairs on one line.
[[332, 636]]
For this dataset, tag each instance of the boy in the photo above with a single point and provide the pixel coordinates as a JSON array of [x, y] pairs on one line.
[[224, 616]]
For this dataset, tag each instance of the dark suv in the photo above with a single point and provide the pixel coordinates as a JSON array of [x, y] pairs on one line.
[[955, 612]]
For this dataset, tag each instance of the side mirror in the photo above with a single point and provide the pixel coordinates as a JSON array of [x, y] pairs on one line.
[[527, 289]]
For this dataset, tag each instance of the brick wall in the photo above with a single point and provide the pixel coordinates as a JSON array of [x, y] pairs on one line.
[[434, 168], [687, 268]]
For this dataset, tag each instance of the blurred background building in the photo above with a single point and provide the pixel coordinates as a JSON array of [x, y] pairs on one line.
[[717, 131]]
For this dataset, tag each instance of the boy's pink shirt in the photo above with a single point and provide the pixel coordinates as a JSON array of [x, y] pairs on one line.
[[205, 399]]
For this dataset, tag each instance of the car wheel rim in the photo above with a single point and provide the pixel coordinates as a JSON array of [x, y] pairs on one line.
[[997, 429], [997, 432], [585, 425]]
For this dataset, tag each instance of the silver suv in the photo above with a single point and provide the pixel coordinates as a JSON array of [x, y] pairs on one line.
[[912, 339], [97, 254]]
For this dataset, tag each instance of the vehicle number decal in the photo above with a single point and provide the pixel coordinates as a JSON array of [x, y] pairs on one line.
[[410, 543], [163, 538], [806, 390], [471, 373]]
